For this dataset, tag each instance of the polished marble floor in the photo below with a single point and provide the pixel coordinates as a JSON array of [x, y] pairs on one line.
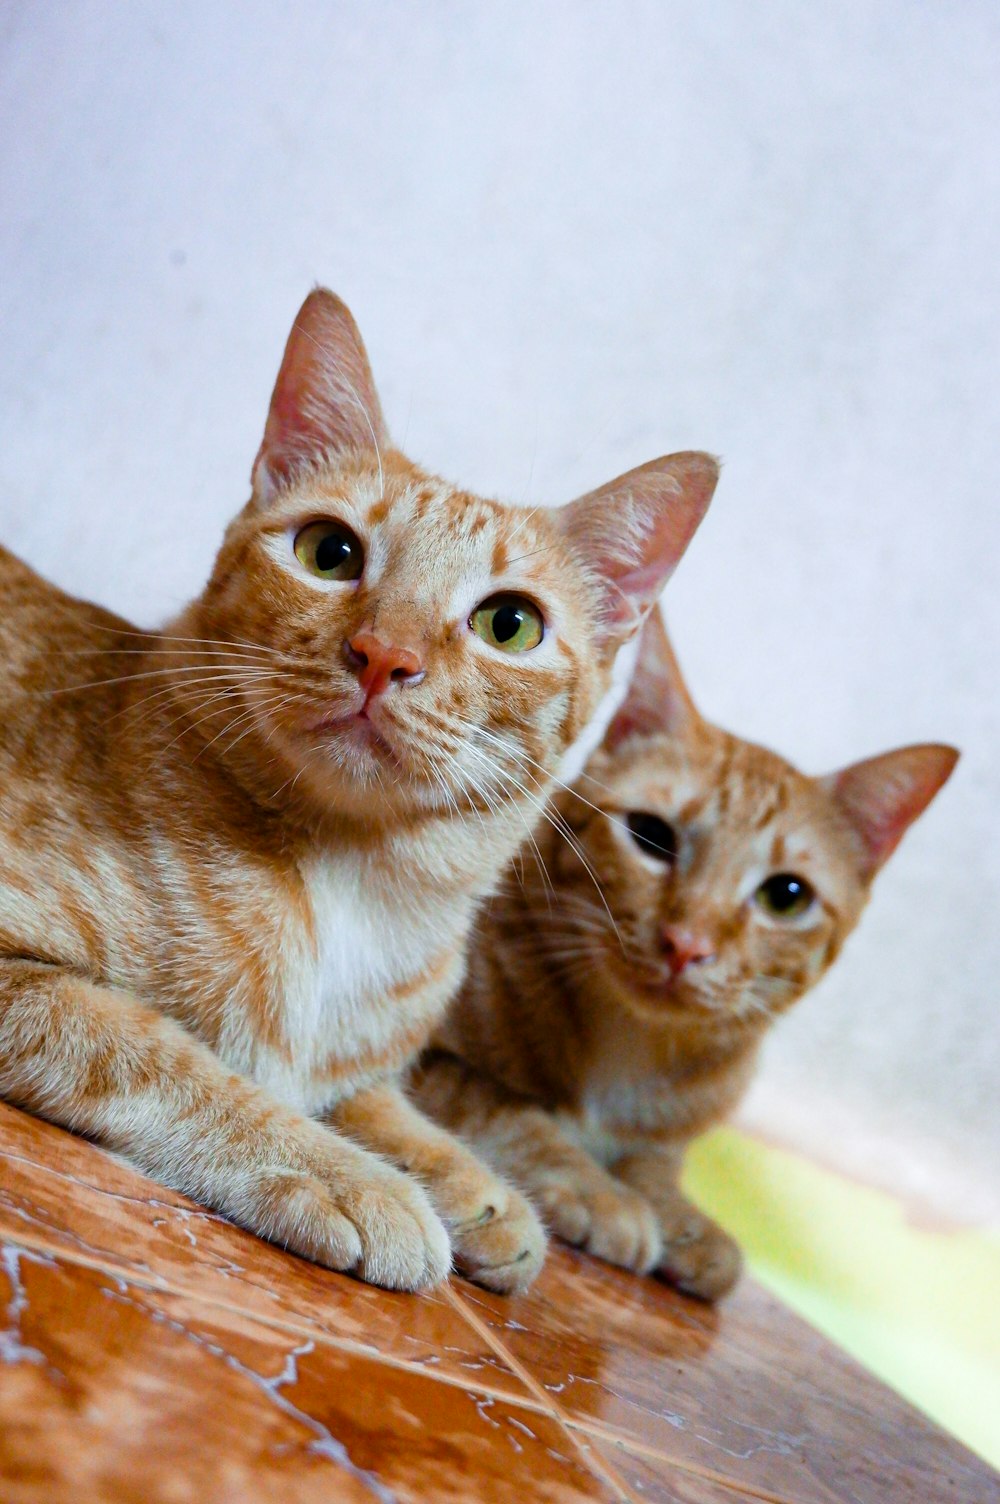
[[151, 1352]]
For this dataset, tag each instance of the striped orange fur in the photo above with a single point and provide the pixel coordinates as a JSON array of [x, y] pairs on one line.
[[240, 857], [621, 986]]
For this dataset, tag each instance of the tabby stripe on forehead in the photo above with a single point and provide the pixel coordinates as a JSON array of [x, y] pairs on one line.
[[425, 498], [771, 810], [725, 772]]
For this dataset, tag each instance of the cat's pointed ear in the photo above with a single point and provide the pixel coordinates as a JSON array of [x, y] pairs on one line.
[[632, 533], [324, 399], [882, 796], [658, 701]]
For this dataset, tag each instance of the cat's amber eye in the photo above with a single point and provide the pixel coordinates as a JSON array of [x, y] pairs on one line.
[[653, 835], [330, 550], [785, 896], [511, 623]]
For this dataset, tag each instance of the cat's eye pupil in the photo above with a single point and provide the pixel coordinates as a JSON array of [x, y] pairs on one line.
[[332, 551], [653, 835], [507, 622], [785, 894], [511, 623]]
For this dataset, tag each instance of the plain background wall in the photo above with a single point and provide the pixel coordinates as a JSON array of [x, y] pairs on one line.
[[577, 236]]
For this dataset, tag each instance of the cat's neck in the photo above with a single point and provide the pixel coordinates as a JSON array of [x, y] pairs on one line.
[[641, 1077]]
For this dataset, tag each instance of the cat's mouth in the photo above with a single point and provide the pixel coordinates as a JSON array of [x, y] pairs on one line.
[[355, 729], [660, 987]]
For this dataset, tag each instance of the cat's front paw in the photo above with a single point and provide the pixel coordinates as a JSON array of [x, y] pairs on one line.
[[376, 1222], [497, 1238], [698, 1257], [603, 1217]]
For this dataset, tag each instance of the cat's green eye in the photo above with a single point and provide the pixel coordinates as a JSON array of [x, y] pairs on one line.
[[330, 550], [785, 896], [508, 622]]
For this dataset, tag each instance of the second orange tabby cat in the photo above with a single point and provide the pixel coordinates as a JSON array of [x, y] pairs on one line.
[[685, 893]]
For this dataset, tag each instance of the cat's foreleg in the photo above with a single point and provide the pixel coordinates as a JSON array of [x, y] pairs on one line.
[[698, 1256], [496, 1236], [100, 1061], [579, 1201]]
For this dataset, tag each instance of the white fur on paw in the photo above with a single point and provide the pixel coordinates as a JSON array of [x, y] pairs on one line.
[[297, 1211], [404, 1242], [379, 1224]]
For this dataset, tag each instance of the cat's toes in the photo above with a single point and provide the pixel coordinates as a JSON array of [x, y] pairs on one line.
[[700, 1259], [381, 1225], [505, 1251], [404, 1244], [625, 1232], [297, 1211], [497, 1237], [613, 1224]]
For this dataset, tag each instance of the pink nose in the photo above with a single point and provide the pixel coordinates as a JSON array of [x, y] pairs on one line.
[[683, 948], [379, 664]]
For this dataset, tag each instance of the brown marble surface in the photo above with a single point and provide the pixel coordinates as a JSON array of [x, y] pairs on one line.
[[151, 1352]]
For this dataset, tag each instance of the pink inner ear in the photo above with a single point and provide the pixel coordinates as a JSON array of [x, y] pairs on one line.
[[630, 720], [674, 494], [658, 701], [324, 398], [633, 532], [882, 796]]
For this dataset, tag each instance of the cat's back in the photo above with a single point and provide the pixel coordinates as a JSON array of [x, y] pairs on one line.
[[49, 641], [57, 865]]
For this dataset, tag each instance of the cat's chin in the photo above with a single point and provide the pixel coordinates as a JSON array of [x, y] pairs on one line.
[[345, 763], [354, 766], [660, 997]]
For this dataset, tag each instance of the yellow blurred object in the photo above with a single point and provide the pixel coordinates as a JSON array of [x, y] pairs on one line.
[[920, 1308]]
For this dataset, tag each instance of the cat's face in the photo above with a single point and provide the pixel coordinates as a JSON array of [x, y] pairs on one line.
[[422, 646], [732, 878], [730, 883]]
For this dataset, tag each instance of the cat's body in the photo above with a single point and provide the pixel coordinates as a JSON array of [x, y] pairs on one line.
[[621, 986], [233, 916], [239, 859]]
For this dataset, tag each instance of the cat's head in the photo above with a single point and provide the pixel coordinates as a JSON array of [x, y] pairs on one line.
[[410, 646], [733, 879]]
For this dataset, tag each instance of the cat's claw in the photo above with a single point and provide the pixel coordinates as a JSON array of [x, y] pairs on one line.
[[501, 1243], [504, 1254]]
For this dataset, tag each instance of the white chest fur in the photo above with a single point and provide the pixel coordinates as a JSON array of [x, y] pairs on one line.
[[622, 1087], [357, 983]]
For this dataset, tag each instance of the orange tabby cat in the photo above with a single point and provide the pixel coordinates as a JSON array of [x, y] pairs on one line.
[[602, 1026], [239, 858]]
